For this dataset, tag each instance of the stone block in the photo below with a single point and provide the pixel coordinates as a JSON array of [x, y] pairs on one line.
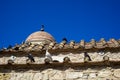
[[57, 76], [117, 73], [37, 76], [93, 75], [45, 77], [105, 73], [74, 75], [26, 76], [1, 61], [13, 76], [85, 75], [58, 58]]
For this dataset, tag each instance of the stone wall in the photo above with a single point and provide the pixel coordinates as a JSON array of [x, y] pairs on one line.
[[93, 73], [109, 72]]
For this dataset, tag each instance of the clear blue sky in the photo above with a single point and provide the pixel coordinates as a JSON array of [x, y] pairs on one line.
[[73, 19]]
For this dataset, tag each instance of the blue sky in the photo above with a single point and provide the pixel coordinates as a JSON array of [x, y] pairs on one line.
[[73, 19]]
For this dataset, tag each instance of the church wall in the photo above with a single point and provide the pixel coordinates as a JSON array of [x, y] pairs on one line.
[[66, 73], [45, 72], [74, 57]]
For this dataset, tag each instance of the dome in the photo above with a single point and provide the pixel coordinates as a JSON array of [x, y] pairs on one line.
[[40, 36]]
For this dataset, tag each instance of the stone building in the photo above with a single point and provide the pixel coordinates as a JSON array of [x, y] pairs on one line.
[[40, 57]]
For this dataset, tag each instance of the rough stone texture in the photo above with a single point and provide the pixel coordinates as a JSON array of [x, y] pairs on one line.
[[104, 73], [68, 74], [63, 73], [92, 75], [113, 56], [117, 73], [74, 75], [37, 76]]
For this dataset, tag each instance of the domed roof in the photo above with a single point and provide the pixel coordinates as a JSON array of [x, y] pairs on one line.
[[40, 36]]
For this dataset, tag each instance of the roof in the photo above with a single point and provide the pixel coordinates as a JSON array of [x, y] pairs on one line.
[[40, 36], [72, 46]]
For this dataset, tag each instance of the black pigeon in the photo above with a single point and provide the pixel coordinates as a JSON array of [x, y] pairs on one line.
[[87, 56], [9, 47], [42, 28], [64, 39], [31, 57]]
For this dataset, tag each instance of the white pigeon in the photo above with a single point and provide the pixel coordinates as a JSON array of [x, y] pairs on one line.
[[48, 55], [101, 53], [12, 58]]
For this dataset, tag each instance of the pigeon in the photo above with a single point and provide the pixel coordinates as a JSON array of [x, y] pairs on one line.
[[12, 58], [31, 57], [48, 55], [64, 39], [42, 28], [87, 57]]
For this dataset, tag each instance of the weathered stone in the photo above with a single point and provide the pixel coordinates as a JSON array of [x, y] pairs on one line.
[[57, 58], [92, 75], [1, 76], [20, 60], [62, 43], [52, 44], [32, 45], [45, 76], [117, 73], [19, 76], [76, 46], [40, 47], [93, 42], [29, 48], [28, 76], [85, 75], [13, 76], [104, 73], [6, 76], [37, 76], [73, 75], [82, 43], [61, 46], [56, 75], [71, 46], [72, 43], [115, 42], [50, 47], [101, 78]]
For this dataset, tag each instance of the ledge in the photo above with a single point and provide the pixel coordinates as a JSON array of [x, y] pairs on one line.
[[57, 51], [57, 65]]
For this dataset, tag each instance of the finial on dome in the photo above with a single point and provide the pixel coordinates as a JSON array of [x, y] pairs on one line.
[[42, 28]]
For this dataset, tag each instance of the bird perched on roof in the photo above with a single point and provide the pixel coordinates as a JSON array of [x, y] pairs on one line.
[[66, 59], [48, 55], [42, 28], [86, 57], [65, 39], [11, 60], [106, 60], [9, 47], [101, 53], [31, 57]]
